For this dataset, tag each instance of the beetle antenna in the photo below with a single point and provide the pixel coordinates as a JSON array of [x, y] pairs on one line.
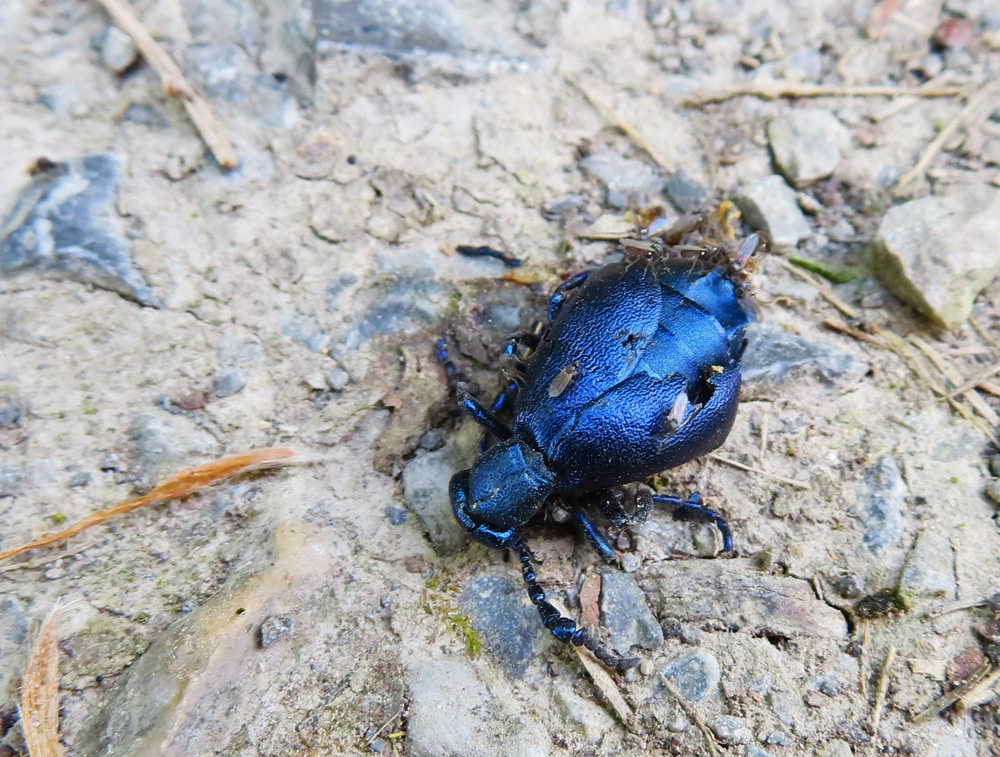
[[564, 628]]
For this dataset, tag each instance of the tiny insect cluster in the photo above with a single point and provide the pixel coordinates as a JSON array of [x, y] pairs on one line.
[[637, 371]]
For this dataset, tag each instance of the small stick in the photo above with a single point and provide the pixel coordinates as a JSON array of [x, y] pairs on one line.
[[986, 94], [775, 90], [982, 331], [954, 377], [174, 83], [823, 288], [976, 380], [186, 482], [694, 715], [945, 701], [862, 655], [842, 328], [881, 689], [758, 471], [608, 114]]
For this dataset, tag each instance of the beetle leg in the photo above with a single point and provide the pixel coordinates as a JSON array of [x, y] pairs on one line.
[[481, 415], [563, 628], [695, 506], [559, 296], [594, 537]]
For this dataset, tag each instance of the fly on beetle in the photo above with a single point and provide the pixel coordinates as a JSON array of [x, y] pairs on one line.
[[637, 371]]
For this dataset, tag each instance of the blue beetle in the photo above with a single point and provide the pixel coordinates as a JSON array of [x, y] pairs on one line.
[[637, 371]]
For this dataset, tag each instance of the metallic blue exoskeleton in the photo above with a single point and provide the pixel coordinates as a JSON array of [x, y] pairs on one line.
[[637, 372]]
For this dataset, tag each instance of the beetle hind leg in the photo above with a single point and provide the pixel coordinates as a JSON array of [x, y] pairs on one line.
[[694, 506], [563, 628]]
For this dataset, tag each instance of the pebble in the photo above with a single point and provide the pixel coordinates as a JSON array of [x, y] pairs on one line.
[[272, 629], [315, 380], [425, 492], [117, 50], [730, 731], [937, 253], [110, 462], [730, 593], [696, 676], [770, 205], [586, 716], [929, 570], [631, 562], [81, 478], [834, 748], [397, 515], [626, 180], [72, 229], [880, 505], [807, 144], [451, 713], [775, 356], [776, 738], [229, 383], [755, 751], [508, 623], [10, 415], [993, 490], [686, 194], [337, 378], [11, 479], [14, 629], [167, 443], [626, 614]]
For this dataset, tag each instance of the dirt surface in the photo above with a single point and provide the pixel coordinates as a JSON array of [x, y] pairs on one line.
[[158, 312]]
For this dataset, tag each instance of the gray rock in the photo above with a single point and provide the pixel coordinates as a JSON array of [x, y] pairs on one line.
[[807, 144], [584, 715], [452, 714], [938, 253], [992, 491], [81, 478], [626, 614], [397, 515], [404, 306], [11, 478], [730, 731], [929, 570], [775, 355], [755, 751], [771, 205], [625, 179], [501, 613], [65, 226], [695, 676], [732, 595], [834, 748], [880, 505], [118, 52], [272, 629], [167, 443], [425, 491], [234, 351], [229, 383], [337, 379], [684, 192], [13, 645], [10, 415]]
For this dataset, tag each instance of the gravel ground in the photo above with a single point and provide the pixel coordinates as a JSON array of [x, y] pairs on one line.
[[159, 312]]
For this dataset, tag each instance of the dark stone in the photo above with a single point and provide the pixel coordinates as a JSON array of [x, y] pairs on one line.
[[80, 479], [684, 192], [397, 515], [881, 505], [229, 383], [272, 629], [10, 416], [500, 612], [627, 615], [65, 226]]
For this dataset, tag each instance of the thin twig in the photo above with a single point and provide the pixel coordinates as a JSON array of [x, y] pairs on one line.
[[881, 689], [978, 379], [174, 83], [983, 332], [758, 471], [945, 701], [985, 95], [863, 660], [951, 373], [611, 116], [775, 90], [843, 328], [693, 713], [822, 286]]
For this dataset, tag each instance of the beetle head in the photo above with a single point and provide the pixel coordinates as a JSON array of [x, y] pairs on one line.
[[503, 489]]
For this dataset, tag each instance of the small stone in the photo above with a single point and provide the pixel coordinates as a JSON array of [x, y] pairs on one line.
[[685, 193], [167, 443], [229, 383], [626, 180], [118, 52], [770, 205], [193, 401], [730, 731], [397, 515], [425, 491], [678, 724], [590, 719], [627, 615], [807, 144], [929, 570], [315, 381], [834, 748], [14, 647], [432, 439], [815, 699], [272, 629], [10, 416], [110, 462], [995, 465], [755, 751], [695, 676], [993, 490], [500, 612], [776, 738], [81, 478], [880, 506], [631, 562], [337, 378], [938, 253]]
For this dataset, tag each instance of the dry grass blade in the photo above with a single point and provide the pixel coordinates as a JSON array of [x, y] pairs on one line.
[[775, 90], [174, 83], [693, 713], [945, 701], [40, 694], [823, 288], [760, 472], [180, 485], [880, 691]]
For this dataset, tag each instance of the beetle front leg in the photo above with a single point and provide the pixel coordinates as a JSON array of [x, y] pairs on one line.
[[594, 537], [694, 506], [559, 296]]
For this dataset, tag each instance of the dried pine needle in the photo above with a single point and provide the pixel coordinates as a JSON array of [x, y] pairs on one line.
[[40, 694], [179, 485]]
